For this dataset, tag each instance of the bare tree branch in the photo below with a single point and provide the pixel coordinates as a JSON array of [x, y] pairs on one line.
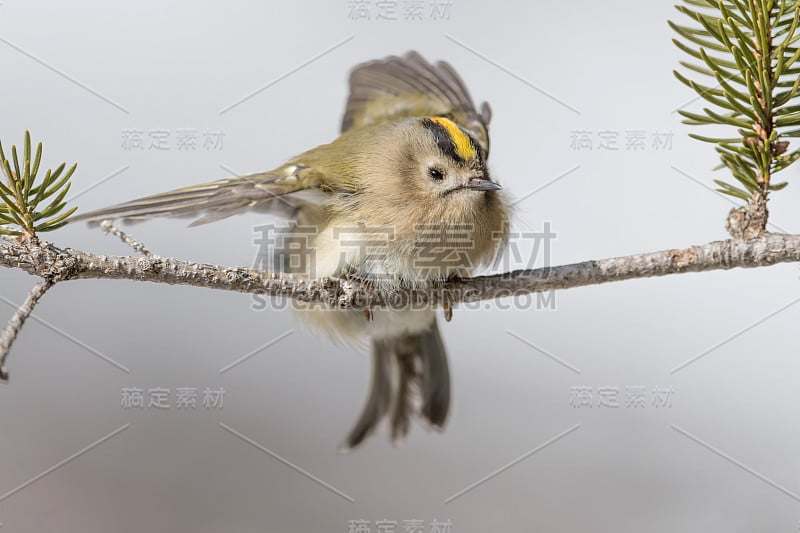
[[49, 262], [54, 265], [137, 246], [14, 326]]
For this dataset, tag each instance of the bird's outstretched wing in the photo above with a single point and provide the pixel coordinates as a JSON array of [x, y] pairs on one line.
[[409, 86], [220, 199], [380, 91]]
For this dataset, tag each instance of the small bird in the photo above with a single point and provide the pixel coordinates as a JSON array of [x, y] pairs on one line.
[[410, 166]]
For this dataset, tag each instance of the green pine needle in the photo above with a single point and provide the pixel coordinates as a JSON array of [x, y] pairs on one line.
[[747, 54], [22, 199]]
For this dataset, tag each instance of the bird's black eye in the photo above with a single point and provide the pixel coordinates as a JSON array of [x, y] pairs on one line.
[[436, 174]]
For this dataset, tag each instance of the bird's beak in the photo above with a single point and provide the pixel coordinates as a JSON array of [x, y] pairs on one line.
[[477, 184]]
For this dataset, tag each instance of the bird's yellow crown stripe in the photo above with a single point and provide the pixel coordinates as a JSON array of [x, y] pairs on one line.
[[463, 144]]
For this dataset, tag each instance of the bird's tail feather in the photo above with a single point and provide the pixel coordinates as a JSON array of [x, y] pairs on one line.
[[410, 375]]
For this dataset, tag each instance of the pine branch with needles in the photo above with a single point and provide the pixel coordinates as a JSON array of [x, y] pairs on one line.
[[23, 208], [747, 52]]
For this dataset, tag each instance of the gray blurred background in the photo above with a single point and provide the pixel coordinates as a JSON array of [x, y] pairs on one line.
[[530, 446]]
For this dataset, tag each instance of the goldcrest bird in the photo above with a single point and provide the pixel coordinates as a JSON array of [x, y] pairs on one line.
[[410, 164]]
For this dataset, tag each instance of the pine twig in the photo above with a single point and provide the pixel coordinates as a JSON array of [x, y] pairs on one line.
[[743, 61], [109, 227], [14, 326]]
